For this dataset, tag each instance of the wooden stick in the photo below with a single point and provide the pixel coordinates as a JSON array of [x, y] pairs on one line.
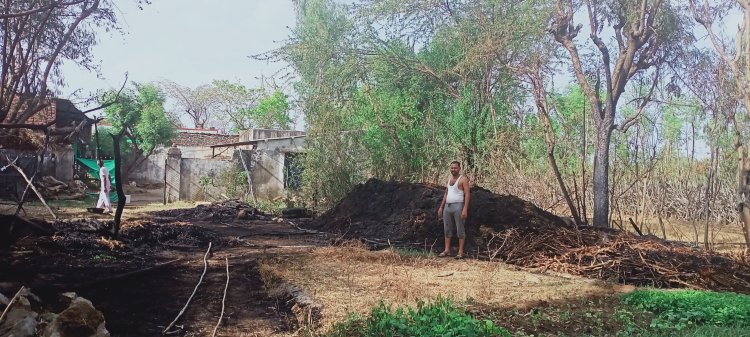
[[205, 267], [302, 229], [635, 226], [223, 300], [30, 184], [7, 308]]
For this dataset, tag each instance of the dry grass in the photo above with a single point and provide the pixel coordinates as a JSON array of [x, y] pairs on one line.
[[352, 280], [723, 238], [78, 210], [155, 207]]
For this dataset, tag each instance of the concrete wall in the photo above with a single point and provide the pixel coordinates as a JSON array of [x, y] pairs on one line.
[[63, 169], [151, 171], [191, 172], [254, 134], [265, 161], [267, 165]]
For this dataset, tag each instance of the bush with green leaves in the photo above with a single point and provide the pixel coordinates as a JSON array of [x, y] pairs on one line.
[[439, 318], [233, 181], [686, 308]]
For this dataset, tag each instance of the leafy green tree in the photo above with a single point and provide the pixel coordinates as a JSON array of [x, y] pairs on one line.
[[233, 102], [327, 79], [271, 112], [139, 115]]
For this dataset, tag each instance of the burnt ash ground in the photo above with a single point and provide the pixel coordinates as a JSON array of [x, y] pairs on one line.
[[138, 285]]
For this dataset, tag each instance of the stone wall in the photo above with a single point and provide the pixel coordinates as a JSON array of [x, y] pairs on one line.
[[256, 134], [151, 171]]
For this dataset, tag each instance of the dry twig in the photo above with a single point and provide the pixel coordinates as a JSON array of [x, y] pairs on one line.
[[7, 308], [223, 300], [205, 267]]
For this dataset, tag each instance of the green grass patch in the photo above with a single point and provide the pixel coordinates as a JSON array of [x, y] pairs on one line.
[[439, 318], [687, 308], [698, 331], [643, 313], [268, 206]]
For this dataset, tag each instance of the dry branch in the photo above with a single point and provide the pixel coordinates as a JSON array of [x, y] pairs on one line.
[[622, 257], [7, 308], [205, 267], [30, 184], [223, 300]]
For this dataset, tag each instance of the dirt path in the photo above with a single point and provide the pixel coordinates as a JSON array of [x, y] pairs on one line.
[[144, 303]]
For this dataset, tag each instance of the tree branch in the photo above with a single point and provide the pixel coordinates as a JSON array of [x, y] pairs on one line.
[[641, 107], [39, 9]]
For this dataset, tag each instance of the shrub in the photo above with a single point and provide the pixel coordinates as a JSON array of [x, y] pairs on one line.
[[685, 308], [439, 318]]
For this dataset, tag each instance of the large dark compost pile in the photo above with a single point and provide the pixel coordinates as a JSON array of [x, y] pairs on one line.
[[508, 228], [407, 212]]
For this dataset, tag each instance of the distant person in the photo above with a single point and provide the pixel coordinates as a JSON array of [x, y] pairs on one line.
[[455, 209], [106, 186]]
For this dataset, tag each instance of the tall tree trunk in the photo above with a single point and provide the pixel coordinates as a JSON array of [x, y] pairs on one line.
[[118, 185], [584, 182], [743, 190], [601, 176], [710, 194]]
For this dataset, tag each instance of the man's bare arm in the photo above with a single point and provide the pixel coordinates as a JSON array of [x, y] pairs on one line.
[[467, 197], [442, 204]]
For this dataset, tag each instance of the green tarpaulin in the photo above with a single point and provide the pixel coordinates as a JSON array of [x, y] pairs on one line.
[[93, 169]]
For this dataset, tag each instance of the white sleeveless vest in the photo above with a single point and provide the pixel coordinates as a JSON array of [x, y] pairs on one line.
[[455, 194]]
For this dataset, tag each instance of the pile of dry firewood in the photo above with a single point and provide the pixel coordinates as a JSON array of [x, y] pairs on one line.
[[621, 257], [52, 188]]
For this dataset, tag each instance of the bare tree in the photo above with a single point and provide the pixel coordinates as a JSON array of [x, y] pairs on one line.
[[533, 73], [706, 13], [36, 36], [641, 28], [197, 103]]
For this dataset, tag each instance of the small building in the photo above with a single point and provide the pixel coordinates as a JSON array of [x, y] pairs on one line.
[[197, 159], [69, 128], [273, 158]]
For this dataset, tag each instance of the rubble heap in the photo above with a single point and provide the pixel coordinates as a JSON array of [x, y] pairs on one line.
[[224, 211], [26, 317]]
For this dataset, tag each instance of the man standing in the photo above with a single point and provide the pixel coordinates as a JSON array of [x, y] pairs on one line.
[[455, 209], [106, 186]]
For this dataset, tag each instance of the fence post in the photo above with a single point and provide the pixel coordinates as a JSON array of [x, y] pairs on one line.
[[172, 176]]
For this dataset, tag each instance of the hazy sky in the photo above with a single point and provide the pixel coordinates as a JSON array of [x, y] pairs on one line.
[[191, 42]]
